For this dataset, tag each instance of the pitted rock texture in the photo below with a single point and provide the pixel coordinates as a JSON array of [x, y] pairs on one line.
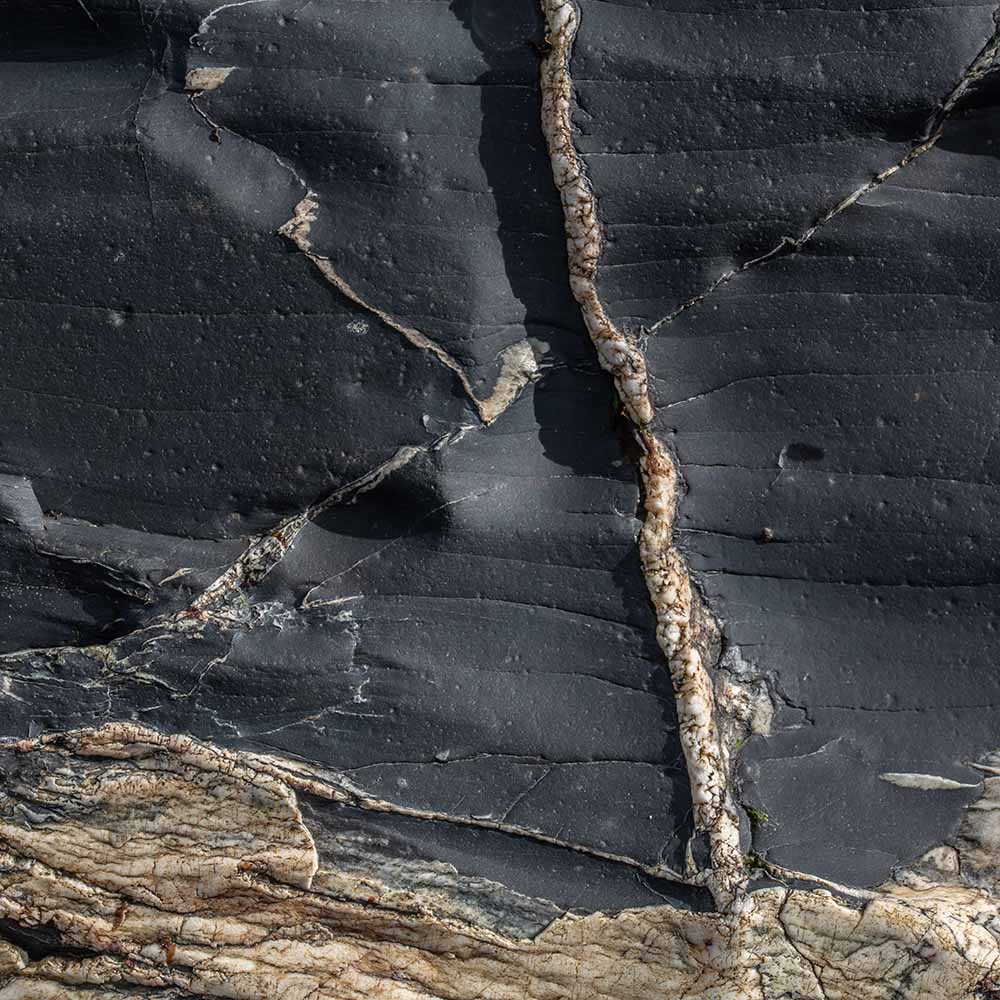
[[497, 499]]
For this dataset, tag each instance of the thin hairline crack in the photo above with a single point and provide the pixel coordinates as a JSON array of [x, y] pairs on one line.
[[975, 71], [684, 629]]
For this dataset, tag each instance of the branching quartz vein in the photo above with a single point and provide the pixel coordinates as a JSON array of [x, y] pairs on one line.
[[681, 630], [518, 364]]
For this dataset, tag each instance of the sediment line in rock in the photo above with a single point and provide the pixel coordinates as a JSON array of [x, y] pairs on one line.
[[684, 631], [333, 786]]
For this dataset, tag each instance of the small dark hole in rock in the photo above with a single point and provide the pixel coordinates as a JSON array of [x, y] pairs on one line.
[[41, 941], [797, 451]]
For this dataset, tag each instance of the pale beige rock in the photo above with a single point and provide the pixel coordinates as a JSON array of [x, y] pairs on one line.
[[12, 959], [980, 831], [98, 819], [205, 78], [187, 867]]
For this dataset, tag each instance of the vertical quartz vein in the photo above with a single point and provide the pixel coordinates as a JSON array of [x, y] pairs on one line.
[[680, 630]]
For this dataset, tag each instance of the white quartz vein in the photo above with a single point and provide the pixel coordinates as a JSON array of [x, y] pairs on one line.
[[681, 632]]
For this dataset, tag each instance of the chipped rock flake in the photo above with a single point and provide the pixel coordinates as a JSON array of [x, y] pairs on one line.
[[684, 630], [927, 782], [206, 78]]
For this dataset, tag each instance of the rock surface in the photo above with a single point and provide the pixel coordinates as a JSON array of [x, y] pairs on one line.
[[498, 500]]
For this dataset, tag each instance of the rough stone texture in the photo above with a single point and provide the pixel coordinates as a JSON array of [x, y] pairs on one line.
[[278, 923], [497, 500]]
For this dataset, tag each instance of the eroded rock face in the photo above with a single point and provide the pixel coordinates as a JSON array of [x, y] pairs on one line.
[[196, 905], [496, 500]]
